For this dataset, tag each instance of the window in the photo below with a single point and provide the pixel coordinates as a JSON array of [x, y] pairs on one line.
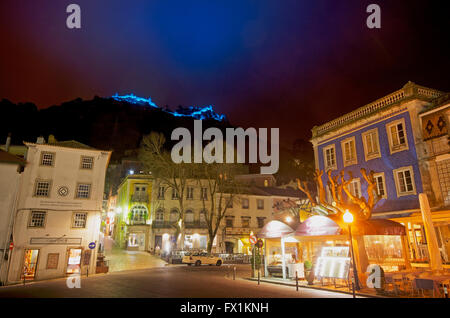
[[443, 170], [261, 222], [204, 194], [229, 202], [159, 216], [42, 188], [349, 151], [47, 158], [203, 217], [245, 221], [355, 188], [397, 136], [79, 220], [371, 144], [174, 215], [381, 185], [161, 192], [83, 191], [329, 155], [138, 214], [174, 194], [52, 260], [87, 162], [190, 193], [229, 222], [37, 219], [260, 204], [245, 203], [189, 216], [404, 181]]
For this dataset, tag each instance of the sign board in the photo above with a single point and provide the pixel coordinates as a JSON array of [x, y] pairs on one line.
[[56, 240], [92, 245], [252, 239], [86, 257], [334, 262], [260, 243]]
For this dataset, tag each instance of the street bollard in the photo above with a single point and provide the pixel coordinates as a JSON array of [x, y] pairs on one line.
[[445, 291], [296, 280], [258, 276], [353, 289], [234, 273]]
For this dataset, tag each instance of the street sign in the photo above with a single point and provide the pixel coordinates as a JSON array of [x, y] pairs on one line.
[[260, 243], [252, 239], [92, 245], [11, 246]]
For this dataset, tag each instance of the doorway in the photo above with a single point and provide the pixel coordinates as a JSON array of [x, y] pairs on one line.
[[74, 261], [30, 264], [229, 247]]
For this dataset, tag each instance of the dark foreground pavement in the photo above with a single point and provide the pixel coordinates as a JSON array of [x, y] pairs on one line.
[[171, 281]]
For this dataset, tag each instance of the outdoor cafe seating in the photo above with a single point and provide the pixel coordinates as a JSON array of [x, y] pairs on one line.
[[418, 283]]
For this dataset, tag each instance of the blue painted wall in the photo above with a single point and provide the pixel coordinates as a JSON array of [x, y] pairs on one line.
[[386, 163]]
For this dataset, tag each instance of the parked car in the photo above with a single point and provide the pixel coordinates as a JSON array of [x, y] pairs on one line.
[[202, 258], [176, 256]]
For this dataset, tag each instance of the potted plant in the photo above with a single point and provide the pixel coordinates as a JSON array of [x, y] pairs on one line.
[[309, 273]]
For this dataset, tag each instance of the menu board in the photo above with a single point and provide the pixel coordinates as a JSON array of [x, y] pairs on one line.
[[334, 262]]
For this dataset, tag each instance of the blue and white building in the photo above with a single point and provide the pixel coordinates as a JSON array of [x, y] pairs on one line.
[[387, 137]]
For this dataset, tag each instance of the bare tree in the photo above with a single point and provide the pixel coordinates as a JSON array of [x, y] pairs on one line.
[[167, 173], [223, 191], [338, 186]]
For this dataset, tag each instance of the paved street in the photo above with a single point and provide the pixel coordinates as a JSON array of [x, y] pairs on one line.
[[120, 260], [169, 281]]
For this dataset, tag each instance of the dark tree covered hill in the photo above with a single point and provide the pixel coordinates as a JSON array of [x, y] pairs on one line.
[[103, 123]]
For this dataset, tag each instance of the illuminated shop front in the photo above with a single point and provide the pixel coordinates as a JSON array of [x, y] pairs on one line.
[[323, 243], [30, 264], [74, 261], [195, 241]]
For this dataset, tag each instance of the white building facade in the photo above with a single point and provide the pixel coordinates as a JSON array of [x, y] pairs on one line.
[[57, 220], [11, 170]]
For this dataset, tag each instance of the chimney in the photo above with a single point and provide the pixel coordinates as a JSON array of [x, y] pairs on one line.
[[40, 140], [8, 142]]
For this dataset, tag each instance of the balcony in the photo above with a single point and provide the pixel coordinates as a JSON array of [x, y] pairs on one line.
[[139, 197], [162, 225], [241, 230], [195, 225]]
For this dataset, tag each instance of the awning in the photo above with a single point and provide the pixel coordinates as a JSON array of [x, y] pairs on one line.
[[318, 225], [274, 229]]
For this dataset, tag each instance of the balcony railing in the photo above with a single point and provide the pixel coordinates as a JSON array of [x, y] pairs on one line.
[[195, 224], [409, 90], [161, 224], [139, 197], [241, 230]]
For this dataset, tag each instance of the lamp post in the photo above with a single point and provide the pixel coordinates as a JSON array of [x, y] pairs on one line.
[[348, 218]]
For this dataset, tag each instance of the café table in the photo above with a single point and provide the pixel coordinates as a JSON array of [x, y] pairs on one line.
[[433, 282]]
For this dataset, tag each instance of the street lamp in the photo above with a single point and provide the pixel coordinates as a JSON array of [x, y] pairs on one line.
[[348, 218]]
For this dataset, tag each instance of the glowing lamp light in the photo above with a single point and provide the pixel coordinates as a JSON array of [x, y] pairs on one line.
[[118, 210], [288, 219], [131, 172], [348, 217]]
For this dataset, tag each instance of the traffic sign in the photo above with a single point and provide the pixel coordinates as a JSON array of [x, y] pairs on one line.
[[92, 245], [260, 243], [252, 239]]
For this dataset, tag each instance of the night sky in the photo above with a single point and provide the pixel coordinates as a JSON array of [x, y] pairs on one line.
[[286, 64]]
